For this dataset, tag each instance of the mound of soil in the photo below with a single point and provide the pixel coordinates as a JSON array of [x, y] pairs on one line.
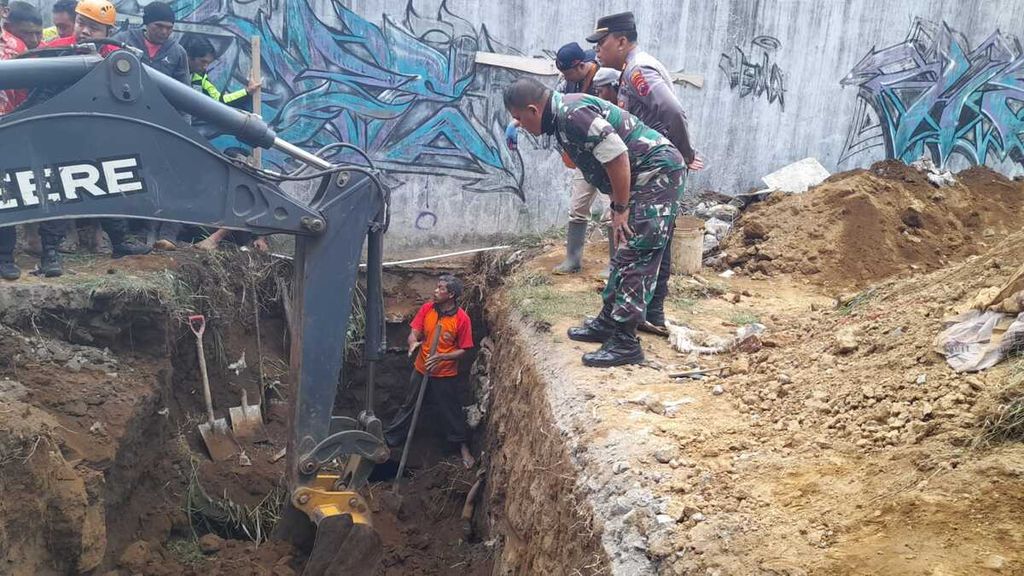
[[864, 225]]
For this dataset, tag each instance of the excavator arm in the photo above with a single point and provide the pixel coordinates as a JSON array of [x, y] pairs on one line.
[[113, 143]]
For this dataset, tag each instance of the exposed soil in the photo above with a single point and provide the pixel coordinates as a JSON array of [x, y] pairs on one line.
[[103, 469], [808, 460], [866, 225]]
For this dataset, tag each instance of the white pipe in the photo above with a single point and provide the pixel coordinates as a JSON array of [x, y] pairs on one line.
[[415, 260]]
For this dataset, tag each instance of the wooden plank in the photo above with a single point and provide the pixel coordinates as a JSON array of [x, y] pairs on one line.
[[256, 75], [538, 66]]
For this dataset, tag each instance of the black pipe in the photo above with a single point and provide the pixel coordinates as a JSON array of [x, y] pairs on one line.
[[45, 72]]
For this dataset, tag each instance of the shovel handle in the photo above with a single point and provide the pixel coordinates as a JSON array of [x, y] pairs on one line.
[[197, 320]]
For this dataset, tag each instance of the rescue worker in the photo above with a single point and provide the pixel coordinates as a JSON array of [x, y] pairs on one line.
[[578, 68], [94, 20], [642, 173], [22, 30], [201, 54], [606, 84], [443, 313], [645, 91], [164, 54], [63, 15]]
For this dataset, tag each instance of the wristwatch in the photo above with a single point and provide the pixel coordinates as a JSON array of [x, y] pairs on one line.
[[619, 208]]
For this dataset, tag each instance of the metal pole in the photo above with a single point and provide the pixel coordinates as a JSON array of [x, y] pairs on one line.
[[416, 410]]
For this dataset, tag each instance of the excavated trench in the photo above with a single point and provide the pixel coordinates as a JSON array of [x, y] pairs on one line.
[[103, 472]]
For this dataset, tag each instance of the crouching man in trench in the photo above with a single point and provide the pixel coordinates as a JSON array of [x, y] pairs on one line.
[[456, 337], [644, 175]]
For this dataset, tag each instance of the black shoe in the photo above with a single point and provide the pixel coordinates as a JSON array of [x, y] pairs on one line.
[[596, 330], [49, 263], [655, 317], [9, 270], [622, 348], [128, 248]]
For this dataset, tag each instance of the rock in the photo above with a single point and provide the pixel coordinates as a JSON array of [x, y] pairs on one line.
[[665, 455], [76, 408], [994, 562], [754, 231], [663, 519], [718, 390], [717, 228], [921, 379], [784, 379], [723, 212], [620, 467], [211, 544], [846, 341], [654, 405], [74, 365], [135, 556], [698, 517]]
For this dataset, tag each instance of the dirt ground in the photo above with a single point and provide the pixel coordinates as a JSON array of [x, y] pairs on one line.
[[801, 456], [864, 226]]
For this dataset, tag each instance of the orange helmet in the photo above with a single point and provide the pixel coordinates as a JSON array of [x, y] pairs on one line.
[[101, 11]]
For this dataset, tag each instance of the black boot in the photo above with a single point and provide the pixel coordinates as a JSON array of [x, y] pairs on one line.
[[596, 329], [655, 321], [9, 270], [49, 262], [128, 248], [622, 348]]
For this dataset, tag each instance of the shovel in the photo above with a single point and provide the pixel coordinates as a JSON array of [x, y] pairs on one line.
[[247, 420], [215, 432]]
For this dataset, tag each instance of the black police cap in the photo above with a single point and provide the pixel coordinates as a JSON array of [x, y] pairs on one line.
[[623, 22]]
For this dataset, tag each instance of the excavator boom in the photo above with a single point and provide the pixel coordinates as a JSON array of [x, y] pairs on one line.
[[113, 143]]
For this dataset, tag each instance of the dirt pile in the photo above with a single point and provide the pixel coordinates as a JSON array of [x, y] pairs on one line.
[[866, 225], [865, 372]]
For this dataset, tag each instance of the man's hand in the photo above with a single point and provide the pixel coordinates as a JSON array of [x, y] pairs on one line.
[[620, 224], [434, 360], [697, 164], [413, 347], [252, 86]]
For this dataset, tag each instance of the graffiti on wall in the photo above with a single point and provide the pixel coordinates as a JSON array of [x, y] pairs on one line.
[[932, 94], [409, 93], [755, 74]]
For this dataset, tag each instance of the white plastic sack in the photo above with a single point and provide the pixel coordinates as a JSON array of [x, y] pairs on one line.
[[975, 341]]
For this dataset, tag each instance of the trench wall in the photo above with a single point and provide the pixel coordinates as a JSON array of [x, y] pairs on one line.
[[848, 82]]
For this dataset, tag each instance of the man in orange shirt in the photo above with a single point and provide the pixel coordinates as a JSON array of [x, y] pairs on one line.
[[442, 367]]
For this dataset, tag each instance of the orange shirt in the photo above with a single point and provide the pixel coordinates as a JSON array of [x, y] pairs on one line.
[[456, 334]]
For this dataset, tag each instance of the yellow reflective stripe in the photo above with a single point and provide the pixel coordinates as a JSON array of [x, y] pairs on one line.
[[236, 95]]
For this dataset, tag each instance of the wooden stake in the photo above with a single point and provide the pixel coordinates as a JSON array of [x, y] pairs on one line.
[[256, 75]]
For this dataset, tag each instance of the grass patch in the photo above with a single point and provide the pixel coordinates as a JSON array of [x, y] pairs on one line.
[[533, 295], [853, 304], [744, 317], [228, 519], [1005, 423], [162, 286], [186, 552]]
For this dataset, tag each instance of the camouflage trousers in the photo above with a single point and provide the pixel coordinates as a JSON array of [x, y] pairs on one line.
[[653, 207]]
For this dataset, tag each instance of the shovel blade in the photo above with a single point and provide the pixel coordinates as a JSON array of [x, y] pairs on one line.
[[247, 422], [218, 440]]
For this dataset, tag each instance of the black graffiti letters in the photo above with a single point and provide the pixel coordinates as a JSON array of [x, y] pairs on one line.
[[753, 76], [70, 182]]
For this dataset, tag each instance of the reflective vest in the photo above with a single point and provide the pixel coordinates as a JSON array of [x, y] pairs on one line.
[[202, 83]]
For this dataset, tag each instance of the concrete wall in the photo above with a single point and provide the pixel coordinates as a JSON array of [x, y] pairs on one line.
[[784, 79]]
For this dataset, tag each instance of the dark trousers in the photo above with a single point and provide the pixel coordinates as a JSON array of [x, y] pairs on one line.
[[443, 396], [656, 308], [52, 232]]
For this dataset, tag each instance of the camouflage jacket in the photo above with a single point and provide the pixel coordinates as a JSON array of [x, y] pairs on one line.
[[593, 131], [645, 90]]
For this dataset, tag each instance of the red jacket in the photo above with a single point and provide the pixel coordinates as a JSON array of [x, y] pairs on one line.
[[11, 46]]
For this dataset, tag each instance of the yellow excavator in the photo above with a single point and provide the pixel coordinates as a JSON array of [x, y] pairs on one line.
[[149, 162]]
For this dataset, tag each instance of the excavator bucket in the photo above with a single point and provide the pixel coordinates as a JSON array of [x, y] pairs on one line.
[[344, 548]]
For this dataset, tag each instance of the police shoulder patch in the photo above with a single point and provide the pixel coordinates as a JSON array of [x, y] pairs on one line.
[[639, 82]]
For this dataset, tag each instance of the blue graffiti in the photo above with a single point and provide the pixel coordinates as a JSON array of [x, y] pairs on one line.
[[409, 94], [933, 94]]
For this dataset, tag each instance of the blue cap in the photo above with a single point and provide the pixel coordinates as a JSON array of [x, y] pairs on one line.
[[571, 55]]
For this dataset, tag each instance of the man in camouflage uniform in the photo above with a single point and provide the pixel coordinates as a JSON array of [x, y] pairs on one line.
[[642, 173], [645, 91]]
